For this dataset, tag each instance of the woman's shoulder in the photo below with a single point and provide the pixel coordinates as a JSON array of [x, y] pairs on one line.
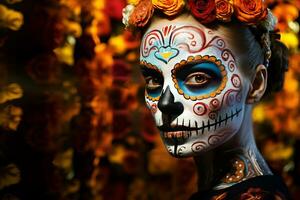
[[269, 187]]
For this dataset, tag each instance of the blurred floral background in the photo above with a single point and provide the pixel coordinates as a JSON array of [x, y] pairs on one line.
[[73, 124]]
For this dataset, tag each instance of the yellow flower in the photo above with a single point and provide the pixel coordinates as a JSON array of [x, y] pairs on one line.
[[65, 54], [73, 5], [10, 117], [98, 4], [9, 175], [258, 113], [10, 92], [133, 2], [277, 151], [117, 155], [104, 55], [118, 44], [169, 7], [290, 40], [63, 160], [10, 18], [72, 28]]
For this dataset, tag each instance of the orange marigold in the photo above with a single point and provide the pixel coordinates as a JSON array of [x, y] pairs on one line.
[[142, 13], [250, 11], [169, 7]]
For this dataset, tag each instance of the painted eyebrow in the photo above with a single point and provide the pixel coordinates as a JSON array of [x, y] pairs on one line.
[[149, 66], [195, 60], [191, 63]]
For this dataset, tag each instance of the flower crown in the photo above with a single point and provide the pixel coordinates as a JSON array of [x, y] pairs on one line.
[[253, 13], [249, 12]]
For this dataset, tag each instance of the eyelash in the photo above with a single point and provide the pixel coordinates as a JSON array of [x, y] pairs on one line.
[[155, 80], [194, 75]]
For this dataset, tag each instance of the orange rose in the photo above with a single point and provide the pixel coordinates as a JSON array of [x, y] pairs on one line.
[[250, 11], [141, 14], [169, 7], [224, 10]]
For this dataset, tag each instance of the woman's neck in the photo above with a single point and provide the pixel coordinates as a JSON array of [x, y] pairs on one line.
[[233, 162]]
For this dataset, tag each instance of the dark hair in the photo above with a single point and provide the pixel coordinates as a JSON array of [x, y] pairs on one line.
[[278, 64]]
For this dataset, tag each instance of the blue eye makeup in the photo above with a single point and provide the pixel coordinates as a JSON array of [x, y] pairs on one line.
[[200, 79]]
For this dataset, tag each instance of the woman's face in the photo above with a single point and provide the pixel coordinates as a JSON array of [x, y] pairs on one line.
[[194, 85]]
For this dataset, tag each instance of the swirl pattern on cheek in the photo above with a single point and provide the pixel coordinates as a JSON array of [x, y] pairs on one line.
[[180, 150], [231, 96], [213, 115], [236, 81], [200, 108], [226, 53], [214, 104], [216, 138], [198, 146], [231, 65]]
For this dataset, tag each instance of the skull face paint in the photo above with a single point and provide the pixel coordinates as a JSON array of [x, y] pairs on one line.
[[193, 86]]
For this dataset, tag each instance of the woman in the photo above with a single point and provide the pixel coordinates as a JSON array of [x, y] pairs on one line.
[[206, 63]]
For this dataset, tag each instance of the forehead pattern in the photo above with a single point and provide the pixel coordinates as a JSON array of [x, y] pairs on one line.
[[164, 44]]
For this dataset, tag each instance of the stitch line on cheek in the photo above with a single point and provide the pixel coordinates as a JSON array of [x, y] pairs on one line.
[[205, 58], [150, 66]]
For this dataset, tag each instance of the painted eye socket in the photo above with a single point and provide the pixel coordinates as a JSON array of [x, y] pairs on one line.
[[200, 79], [197, 79], [154, 82]]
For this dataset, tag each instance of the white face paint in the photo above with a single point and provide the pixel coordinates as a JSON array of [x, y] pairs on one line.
[[193, 85]]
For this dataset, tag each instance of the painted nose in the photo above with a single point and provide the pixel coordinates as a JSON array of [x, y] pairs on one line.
[[167, 105]]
